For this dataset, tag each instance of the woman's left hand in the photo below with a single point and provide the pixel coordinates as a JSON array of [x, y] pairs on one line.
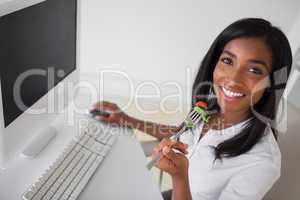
[[174, 163]]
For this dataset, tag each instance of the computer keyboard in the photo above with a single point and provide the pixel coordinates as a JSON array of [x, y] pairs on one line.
[[68, 175]]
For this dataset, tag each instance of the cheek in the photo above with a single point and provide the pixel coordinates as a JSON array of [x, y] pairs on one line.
[[257, 87], [217, 75], [256, 95]]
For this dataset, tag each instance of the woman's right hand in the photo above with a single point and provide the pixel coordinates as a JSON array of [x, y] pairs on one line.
[[117, 116], [174, 163]]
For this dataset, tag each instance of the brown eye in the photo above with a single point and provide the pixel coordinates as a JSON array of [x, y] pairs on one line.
[[226, 61], [256, 71]]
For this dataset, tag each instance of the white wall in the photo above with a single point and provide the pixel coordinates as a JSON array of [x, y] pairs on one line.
[[293, 86], [293, 33], [158, 40]]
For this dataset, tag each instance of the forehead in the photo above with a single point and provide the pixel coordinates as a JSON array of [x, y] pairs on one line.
[[250, 49]]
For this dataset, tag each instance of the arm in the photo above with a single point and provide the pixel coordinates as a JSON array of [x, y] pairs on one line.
[[159, 131], [181, 188], [117, 116], [176, 164]]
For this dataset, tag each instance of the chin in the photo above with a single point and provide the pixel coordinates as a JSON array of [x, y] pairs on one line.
[[232, 105]]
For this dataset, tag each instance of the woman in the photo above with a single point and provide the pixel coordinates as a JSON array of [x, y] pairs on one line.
[[235, 155]]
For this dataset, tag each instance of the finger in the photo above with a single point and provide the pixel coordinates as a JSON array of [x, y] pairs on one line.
[[104, 119], [184, 151], [170, 154], [109, 105], [104, 105], [166, 142], [180, 146], [165, 164], [174, 144], [101, 118], [156, 150]]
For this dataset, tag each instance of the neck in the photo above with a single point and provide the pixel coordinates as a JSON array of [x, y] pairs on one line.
[[223, 120]]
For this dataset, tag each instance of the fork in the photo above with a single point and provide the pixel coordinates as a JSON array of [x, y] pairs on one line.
[[194, 117]]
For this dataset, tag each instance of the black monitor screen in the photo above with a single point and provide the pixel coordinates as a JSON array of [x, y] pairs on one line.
[[35, 42]]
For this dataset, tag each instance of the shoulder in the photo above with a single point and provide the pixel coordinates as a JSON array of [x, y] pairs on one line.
[[265, 154], [267, 149], [260, 167], [251, 182]]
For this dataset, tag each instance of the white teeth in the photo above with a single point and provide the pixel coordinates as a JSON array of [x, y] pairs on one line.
[[230, 93]]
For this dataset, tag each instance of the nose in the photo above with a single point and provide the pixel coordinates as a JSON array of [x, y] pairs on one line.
[[236, 76]]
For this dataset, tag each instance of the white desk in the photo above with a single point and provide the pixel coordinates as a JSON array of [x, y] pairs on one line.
[[122, 175]]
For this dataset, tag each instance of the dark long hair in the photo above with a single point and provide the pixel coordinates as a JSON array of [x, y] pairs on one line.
[[267, 105]]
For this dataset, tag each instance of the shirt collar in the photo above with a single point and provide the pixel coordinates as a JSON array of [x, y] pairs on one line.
[[215, 137]]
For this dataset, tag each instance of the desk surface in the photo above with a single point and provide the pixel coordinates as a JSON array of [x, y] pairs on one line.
[[122, 174]]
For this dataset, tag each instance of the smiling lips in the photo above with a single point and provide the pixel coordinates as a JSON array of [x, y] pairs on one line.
[[231, 94]]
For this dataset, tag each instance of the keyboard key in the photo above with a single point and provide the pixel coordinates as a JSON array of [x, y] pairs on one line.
[[99, 148], [71, 171], [86, 178], [28, 195]]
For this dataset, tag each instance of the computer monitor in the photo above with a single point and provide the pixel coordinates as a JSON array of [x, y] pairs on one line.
[[9, 6], [37, 56]]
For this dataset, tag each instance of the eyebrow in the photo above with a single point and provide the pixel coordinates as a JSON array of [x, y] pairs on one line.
[[251, 60]]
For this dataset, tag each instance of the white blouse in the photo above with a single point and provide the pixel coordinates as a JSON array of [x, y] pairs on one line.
[[245, 177]]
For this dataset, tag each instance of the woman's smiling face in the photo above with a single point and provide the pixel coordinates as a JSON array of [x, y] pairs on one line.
[[243, 67]]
